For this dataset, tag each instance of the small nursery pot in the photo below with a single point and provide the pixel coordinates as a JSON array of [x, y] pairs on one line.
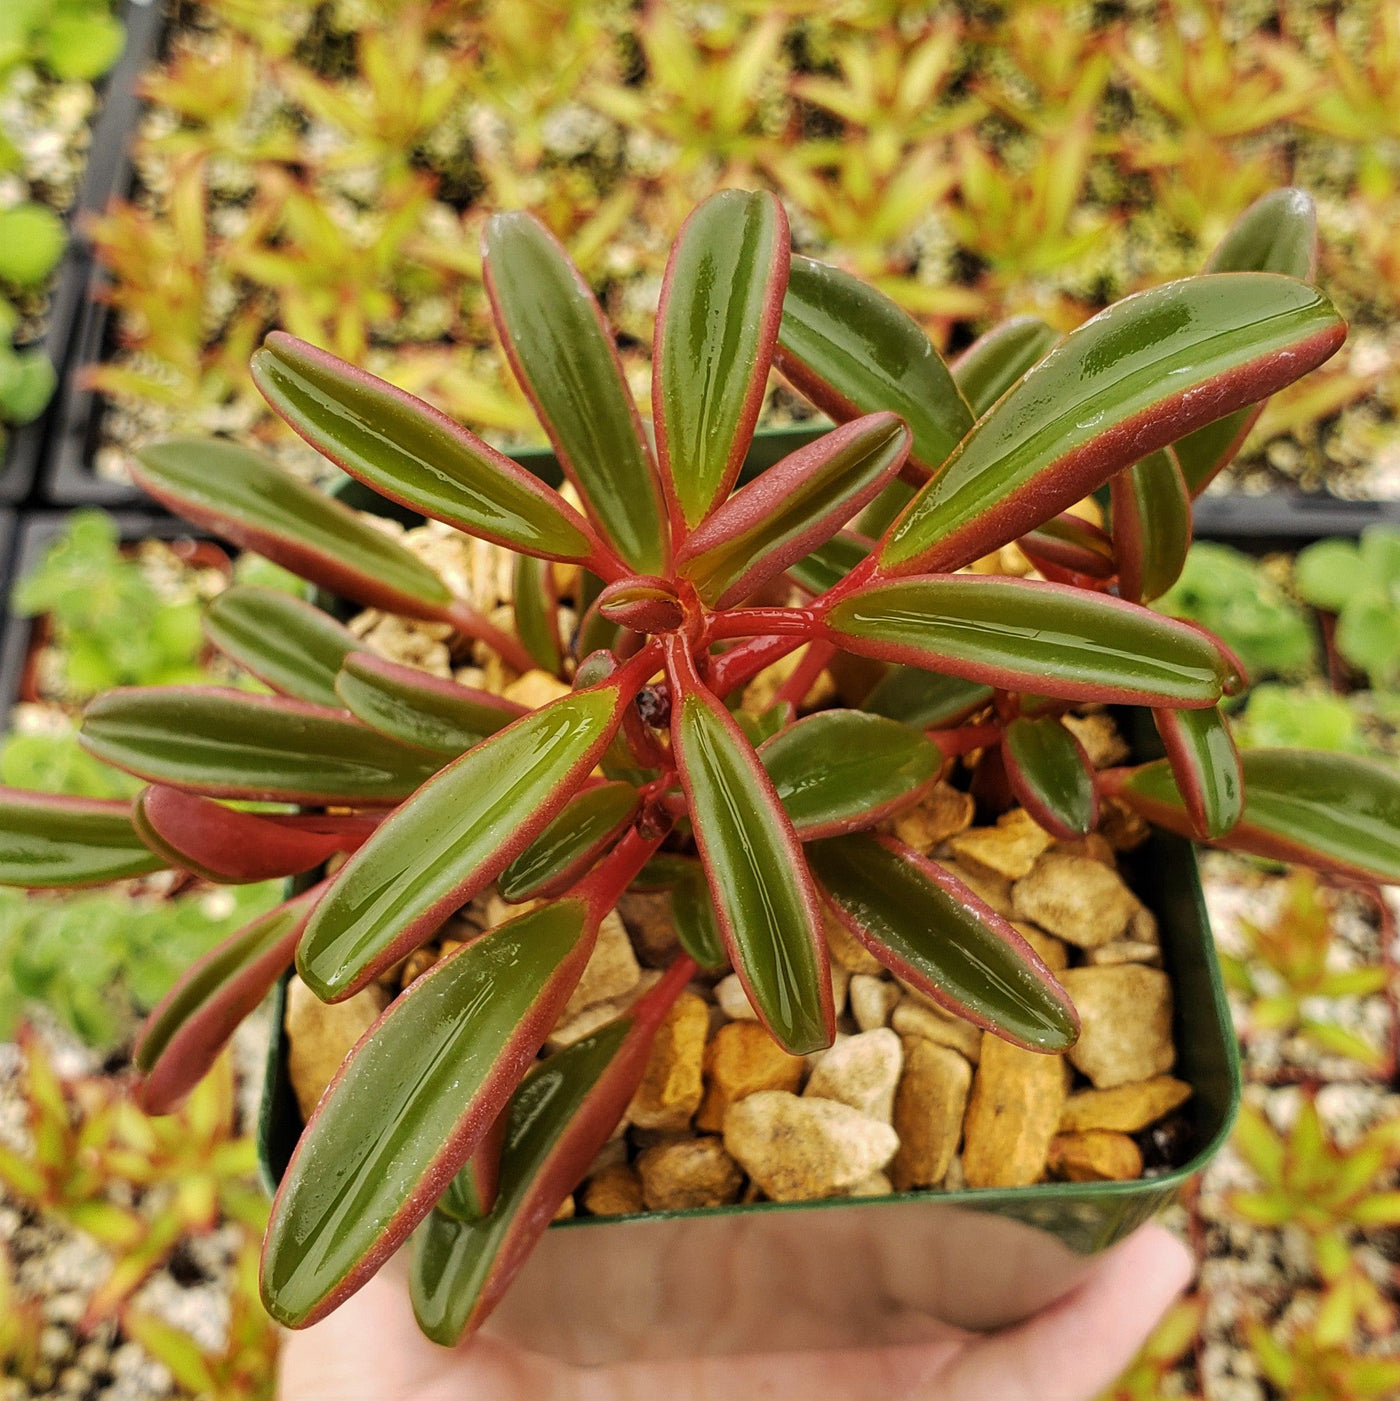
[[911, 1267]]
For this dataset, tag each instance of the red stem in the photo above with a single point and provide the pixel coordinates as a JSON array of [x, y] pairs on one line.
[[805, 673], [767, 622], [739, 666], [964, 739], [475, 625], [604, 885]]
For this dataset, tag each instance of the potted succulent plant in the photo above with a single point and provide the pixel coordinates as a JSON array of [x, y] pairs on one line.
[[426, 791]]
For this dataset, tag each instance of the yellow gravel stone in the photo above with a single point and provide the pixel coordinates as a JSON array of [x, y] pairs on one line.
[[1098, 1155], [672, 1086], [1010, 849], [1017, 1099], [1126, 1108], [615, 1191], [929, 1106], [740, 1060], [1075, 898], [942, 813]]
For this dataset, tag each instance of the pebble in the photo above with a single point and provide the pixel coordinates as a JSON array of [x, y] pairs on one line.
[[690, 1173], [861, 1071], [846, 950], [614, 1191], [733, 1000], [1010, 849], [877, 1184], [741, 1059], [1014, 1112], [1126, 1019], [672, 1086], [535, 689], [915, 1016], [804, 1149], [612, 969], [647, 916], [1125, 951], [321, 1034], [941, 814], [872, 1000], [1100, 737], [929, 1107], [1097, 1155], [993, 890], [1076, 898], [567, 1031], [1053, 953], [1126, 1108]]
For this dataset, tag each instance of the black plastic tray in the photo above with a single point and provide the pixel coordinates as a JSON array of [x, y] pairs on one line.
[[108, 171]]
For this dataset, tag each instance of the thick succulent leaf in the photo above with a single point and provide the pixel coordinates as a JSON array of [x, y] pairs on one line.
[[287, 643], [182, 1038], [1151, 514], [697, 925], [47, 840], [925, 699], [411, 1104], [537, 612], [1206, 767], [644, 603], [852, 351], [1020, 634], [1277, 233], [715, 331], [792, 508], [1338, 812], [843, 769], [412, 453], [762, 891], [1133, 379], [925, 925], [243, 497], [828, 564], [556, 1123], [995, 361], [472, 1193], [418, 708], [455, 836], [229, 744], [589, 823], [232, 847], [563, 355], [1072, 544], [1051, 776]]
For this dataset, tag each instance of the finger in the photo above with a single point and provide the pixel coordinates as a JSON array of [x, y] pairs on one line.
[[1075, 1348]]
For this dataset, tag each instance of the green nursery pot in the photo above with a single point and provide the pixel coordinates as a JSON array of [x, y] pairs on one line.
[[912, 1267]]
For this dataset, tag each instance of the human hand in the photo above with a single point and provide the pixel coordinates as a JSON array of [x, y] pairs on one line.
[[370, 1350]]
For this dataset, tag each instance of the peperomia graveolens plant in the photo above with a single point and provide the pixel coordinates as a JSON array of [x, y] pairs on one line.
[[643, 776]]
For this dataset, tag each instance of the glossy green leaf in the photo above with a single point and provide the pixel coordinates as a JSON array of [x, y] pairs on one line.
[[828, 564], [1151, 514], [697, 925], [229, 744], [758, 728], [414, 454], [934, 933], [1338, 812], [563, 355], [184, 1035], [537, 612], [472, 1193], [1051, 776], [557, 1121], [412, 1102], [47, 840], [1133, 379], [715, 331], [418, 708], [245, 498], [1206, 767], [792, 508], [995, 361], [1023, 635], [925, 699], [1277, 233], [842, 769], [852, 351], [590, 821], [452, 840], [759, 882], [287, 643]]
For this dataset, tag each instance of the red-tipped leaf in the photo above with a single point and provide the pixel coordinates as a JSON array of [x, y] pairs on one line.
[[1206, 766], [716, 326], [996, 360], [792, 508], [933, 932], [50, 841], [1051, 776], [1151, 513], [182, 1038], [762, 891]]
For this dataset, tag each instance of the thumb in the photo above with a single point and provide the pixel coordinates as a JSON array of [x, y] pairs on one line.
[[1075, 1348]]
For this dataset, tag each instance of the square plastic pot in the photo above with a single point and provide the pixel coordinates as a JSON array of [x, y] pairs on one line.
[[916, 1266]]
